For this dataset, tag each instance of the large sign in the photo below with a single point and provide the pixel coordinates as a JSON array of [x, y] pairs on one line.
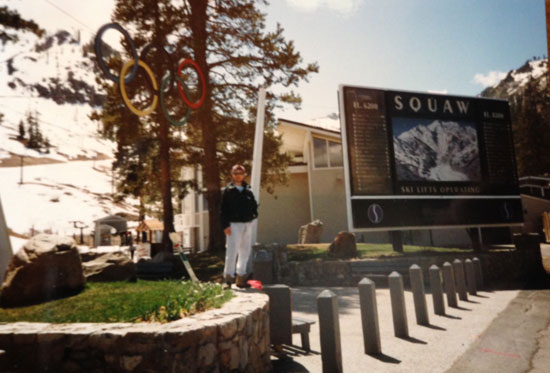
[[418, 161]]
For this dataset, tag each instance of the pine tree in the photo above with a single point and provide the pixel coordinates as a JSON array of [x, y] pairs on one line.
[[11, 19], [32, 131], [229, 42], [531, 126], [47, 145], [21, 128]]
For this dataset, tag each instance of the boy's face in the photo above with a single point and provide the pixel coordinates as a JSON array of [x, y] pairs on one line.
[[238, 176]]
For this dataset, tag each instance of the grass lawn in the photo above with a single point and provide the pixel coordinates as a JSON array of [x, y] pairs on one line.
[[208, 266], [125, 302], [365, 250]]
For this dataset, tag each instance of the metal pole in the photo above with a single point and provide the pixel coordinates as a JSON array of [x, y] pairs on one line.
[[255, 177], [21, 174]]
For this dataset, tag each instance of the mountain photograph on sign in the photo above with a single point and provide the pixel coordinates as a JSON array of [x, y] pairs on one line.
[[435, 150]]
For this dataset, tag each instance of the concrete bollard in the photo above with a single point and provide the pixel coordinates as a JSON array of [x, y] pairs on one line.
[[369, 316], [329, 327], [470, 277], [437, 290], [449, 280], [479, 273], [419, 295], [280, 314], [398, 309], [460, 281]]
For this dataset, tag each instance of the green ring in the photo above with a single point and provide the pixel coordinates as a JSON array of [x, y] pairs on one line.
[[165, 81]]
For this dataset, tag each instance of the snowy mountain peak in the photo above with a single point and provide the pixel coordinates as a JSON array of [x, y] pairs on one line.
[[438, 151], [516, 79]]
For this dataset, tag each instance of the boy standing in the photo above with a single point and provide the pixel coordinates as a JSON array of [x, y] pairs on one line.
[[239, 209]]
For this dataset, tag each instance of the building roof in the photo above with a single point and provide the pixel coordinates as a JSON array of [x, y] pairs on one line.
[[150, 225], [314, 127]]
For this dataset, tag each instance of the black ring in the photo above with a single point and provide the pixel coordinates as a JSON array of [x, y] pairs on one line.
[[98, 45], [157, 46]]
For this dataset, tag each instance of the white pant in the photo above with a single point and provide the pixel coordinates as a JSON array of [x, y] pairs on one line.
[[238, 248]]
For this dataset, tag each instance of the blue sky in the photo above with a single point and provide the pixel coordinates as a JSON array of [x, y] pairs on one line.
[[420, 45]]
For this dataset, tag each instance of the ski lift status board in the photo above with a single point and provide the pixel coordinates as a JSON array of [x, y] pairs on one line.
[[419, 161]]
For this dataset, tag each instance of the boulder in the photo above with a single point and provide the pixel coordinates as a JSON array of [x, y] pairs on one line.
[[311, 232], [343, 246], [113, 266], [46, 267]]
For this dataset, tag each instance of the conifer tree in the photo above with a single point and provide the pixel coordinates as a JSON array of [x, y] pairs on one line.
[[22, 132], [11, 19], [531, 126], [229, 41]]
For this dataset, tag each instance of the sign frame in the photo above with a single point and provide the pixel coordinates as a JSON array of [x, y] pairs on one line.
[[347, 176]]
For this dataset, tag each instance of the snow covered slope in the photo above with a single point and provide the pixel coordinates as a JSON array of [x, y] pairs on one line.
[[53, 77], [53, 195]]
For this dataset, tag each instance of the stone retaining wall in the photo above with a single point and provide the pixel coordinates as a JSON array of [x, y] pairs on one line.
[[500, 268], [234, 337]]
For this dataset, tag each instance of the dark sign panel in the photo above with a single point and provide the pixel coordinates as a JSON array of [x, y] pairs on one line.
[[418, 160]]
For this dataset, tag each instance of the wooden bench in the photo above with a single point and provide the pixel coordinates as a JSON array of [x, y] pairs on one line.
[[302, 327]]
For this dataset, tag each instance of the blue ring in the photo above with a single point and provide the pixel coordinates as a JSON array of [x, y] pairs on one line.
[[102, 65]]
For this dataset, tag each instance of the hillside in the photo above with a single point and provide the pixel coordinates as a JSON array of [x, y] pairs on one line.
[[53, 78]]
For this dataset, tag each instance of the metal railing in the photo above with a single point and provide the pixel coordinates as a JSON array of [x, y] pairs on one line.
[[537, 186]]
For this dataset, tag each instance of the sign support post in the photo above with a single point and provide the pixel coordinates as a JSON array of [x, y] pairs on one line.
[[256, 175]]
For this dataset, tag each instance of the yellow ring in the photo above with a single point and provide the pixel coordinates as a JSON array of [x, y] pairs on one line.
[[150, 109]]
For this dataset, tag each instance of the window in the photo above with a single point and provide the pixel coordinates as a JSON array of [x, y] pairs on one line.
[[327, 153], [320, 152]]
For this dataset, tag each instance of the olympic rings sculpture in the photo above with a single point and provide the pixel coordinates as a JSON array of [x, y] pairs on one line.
[[166, 84]]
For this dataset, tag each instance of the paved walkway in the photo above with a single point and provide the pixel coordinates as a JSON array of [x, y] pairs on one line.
[[429, 349], [518, 340], [500, 331]]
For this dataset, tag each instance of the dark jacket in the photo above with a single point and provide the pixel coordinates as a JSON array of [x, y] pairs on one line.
[[238, 207]]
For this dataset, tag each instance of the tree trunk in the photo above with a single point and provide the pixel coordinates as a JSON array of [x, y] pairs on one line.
[[166, 184], [211, 168], [165, 145]]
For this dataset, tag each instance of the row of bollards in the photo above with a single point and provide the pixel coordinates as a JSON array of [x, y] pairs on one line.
[[458, 277]]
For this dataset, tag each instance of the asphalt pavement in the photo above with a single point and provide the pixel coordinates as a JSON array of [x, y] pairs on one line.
[[496, 331]]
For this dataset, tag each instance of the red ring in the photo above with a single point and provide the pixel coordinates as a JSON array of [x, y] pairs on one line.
[[198, 104]]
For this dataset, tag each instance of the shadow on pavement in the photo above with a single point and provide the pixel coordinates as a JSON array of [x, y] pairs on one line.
[[435, 327], [451, 317], [287, 366], [413, 340], [386, 359], [480, 296], [471, 301]]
